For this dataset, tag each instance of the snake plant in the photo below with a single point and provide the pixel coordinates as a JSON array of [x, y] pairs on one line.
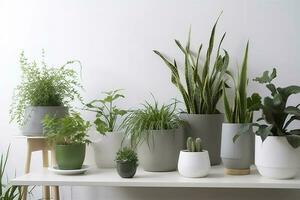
[[242, 107], [204, 81]]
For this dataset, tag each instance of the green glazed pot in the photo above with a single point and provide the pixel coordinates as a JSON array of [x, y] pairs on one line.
[[69, 157], [126, 169]]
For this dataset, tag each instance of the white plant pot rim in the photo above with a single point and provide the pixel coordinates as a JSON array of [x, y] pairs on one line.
[[217, 114], [30, 106], [195, 152], [229, 123]]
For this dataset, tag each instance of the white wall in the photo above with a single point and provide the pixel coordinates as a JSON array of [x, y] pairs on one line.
[[114, 40]]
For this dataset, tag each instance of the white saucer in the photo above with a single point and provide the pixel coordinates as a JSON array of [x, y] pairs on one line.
[[69, 172]]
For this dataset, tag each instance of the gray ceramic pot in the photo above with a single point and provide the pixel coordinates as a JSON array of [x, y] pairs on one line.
[[209, 128], [34, 116], [160, 152], [238, 155]]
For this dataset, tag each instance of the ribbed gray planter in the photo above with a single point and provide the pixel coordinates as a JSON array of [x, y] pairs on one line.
[[209, 128], [162, 150], [239, 154], [34, 116]]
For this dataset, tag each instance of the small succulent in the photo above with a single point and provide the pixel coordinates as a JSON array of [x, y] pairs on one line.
[[194, 145], [126, 154]]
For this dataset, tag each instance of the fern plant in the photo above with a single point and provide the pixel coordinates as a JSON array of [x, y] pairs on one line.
[[203, 82], [106, 111], [42, 85], [127, 154], [242, 107], [140, 122]]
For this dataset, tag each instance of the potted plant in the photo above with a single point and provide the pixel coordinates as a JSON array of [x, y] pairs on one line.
[[68, 135], [201, 93], [193, 162], [43, 91], [109, 138], [127, 162], [237, 156], [156, 134], [277, 151]]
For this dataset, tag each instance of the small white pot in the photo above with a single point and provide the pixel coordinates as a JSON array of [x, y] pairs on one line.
[[193, 164], [105, 148], [276, 158]]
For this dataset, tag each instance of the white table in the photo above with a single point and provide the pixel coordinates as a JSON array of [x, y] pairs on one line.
[[109, 177]]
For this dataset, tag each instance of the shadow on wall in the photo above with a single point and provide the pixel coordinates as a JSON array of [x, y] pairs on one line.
[[86, 193]]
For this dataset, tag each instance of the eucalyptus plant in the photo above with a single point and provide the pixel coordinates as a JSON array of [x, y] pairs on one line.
[[138, 123], [42, 85], [242, 107], [276, 114], [71, 129], [204, 82], [106, 111]]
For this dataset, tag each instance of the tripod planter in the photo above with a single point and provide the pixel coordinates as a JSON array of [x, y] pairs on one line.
[[237, 156], [34, 116], [209, 129], [160, 152]]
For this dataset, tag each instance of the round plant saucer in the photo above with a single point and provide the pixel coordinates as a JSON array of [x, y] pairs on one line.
[[56, 170]]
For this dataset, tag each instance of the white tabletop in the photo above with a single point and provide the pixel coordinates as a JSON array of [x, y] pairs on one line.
[[109, 177]]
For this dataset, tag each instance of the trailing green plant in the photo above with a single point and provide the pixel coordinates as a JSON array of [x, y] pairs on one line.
[[203, 82], [194, 145], [138, 123], [127, 154], [7, 192], [106, 111], [276, 114], [71, 129], [42, 85], [242, 107]]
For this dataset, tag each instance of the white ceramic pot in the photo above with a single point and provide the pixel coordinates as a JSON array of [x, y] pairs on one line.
[[193, 164], [105, 148], [276, 158]]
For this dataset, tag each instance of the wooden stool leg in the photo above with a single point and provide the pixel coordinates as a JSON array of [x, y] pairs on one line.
[[46, 189], [55, 192], [27, 169]]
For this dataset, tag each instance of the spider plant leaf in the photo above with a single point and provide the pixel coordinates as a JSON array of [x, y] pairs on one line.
[[292, 118]]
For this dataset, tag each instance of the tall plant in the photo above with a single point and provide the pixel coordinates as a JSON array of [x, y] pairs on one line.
[[203, 82], [44, 86], [242, 107], [106, 111]]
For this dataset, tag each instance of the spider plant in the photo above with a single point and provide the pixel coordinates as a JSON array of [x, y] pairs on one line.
[[140, 122], [242, 107], [203, 81]]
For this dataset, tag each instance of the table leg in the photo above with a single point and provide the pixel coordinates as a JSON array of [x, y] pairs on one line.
[[46, 189], [27, 169]]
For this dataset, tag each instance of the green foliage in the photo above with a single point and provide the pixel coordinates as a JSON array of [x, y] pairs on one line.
[[106, 111], [277, 116], [127, 155], [7, 192], [138, 123], [203, 82], [71, 129], [44, 86], [194, 145], [242, 108]]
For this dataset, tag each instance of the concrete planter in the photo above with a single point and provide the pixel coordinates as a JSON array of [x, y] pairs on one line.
[[209, 128], [238, 156], [276, 158], [193, 164], [34, 116], [105, 148], [160, 152]]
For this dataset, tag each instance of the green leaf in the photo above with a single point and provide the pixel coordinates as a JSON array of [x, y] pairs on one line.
[[294, 140], [254, 102], [292, 110], [264, 131], [243, 130], [101, 126], [266, 78]]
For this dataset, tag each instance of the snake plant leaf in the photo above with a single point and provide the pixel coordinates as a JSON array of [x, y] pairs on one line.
[[180, 46], [294, 140], [227, 108], [292, 110]]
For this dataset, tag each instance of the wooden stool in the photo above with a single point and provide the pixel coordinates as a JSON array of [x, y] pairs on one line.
[[237, 171], [40, 144]]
